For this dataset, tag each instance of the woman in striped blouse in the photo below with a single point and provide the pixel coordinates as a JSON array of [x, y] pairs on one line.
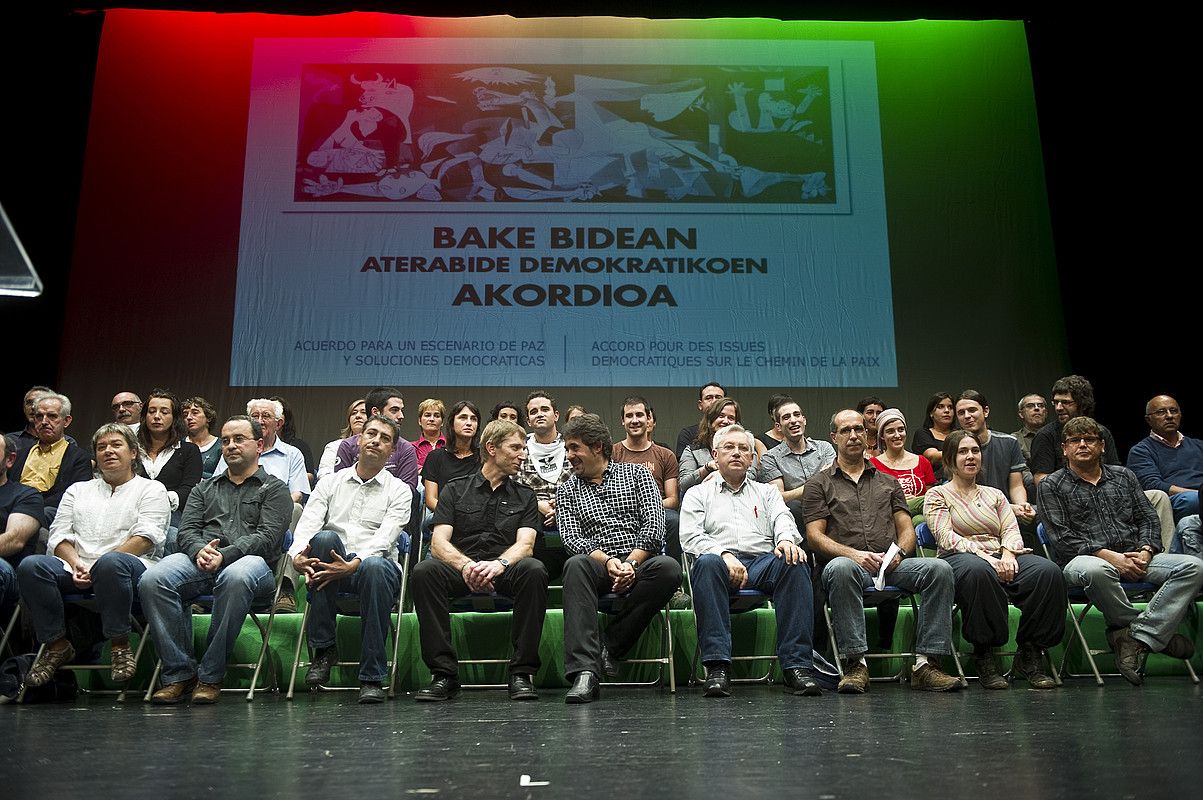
[[979, 537]]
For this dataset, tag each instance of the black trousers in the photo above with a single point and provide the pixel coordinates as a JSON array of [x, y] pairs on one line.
[[585, 580], [1038, 590], [436, 582]]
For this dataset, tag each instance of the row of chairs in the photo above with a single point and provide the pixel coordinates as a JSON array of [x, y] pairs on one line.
[[741, 602], [1137, 591]]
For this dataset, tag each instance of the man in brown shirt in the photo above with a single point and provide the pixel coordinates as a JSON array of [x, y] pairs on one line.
[[854, 514], [638, 448]]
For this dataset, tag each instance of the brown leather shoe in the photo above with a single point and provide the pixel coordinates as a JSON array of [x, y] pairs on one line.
[[931, 678], [206, 693], [855, 680], [174, 693], [1179, 647], [1130, 657]]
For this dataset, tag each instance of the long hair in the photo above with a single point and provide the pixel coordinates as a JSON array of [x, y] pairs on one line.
[[706, 426], [176, 432], [449, 424]]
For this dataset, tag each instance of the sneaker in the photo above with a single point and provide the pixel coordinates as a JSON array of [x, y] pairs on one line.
[[286, 603], [47, 664], [718, 681], [987, 672], [931, 678], [680, 601], [1129, 656], [323, 660], [122, 664], [856, 678], [1029, 663], [370, 693]]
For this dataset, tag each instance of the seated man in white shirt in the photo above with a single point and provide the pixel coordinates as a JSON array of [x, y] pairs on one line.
[[347, 541], [744, 537], [107, 531]]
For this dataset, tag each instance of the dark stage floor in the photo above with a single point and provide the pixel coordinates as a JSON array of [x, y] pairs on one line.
[[1115, 742]]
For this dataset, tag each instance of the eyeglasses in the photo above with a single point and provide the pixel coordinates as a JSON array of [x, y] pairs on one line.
[[125, 404], [851, 429], [1165, 412], [1035, 405], [238, 439], [1077, 440]]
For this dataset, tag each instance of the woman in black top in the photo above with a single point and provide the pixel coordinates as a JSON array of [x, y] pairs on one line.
[[928, 441], [460, 457], [167, 458]]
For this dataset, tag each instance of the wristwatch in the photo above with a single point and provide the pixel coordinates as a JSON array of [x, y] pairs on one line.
[[632, 562], [504, 564]]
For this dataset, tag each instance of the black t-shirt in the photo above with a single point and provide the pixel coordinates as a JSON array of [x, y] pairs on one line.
[[1048, 456], [442, 466], [17, 498], [484, 520]]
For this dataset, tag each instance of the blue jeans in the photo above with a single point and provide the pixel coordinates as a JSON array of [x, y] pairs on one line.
[[167, 590], [844, 581], [1179, 578], [1188, 537], [8, 586], [44, 580], [377, 582], [1184, 504], [793, 602]]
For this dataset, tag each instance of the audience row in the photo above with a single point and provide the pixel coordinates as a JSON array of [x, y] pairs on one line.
[[175, 512]]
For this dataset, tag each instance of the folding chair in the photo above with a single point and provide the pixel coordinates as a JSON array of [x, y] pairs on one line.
[[484, 603], [348, 605], [611, 604], [1135, 590], [871, 596], [741, 601], [87, 600], [9, 628], [927, 541], [256, 613]]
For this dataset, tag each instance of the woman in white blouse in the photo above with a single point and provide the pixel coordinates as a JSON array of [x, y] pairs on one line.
[[106, 532], [357, 415]]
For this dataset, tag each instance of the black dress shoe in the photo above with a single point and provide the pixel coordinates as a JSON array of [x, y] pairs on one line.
[[608, 666], [718, 682], [800, 681], [522, 688], [585, 689], [320, 665], [371, 692], [443, 687]]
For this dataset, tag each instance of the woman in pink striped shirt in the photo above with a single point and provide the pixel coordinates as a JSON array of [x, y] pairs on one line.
[[979, 537]]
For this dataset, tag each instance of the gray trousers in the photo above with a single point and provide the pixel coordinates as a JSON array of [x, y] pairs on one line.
[[1179, 577]]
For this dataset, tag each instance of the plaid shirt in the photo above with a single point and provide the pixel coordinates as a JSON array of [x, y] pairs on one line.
[[1081, 518], [622, 513]]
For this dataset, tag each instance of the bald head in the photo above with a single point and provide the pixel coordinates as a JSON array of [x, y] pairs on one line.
[[1164, 416]]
